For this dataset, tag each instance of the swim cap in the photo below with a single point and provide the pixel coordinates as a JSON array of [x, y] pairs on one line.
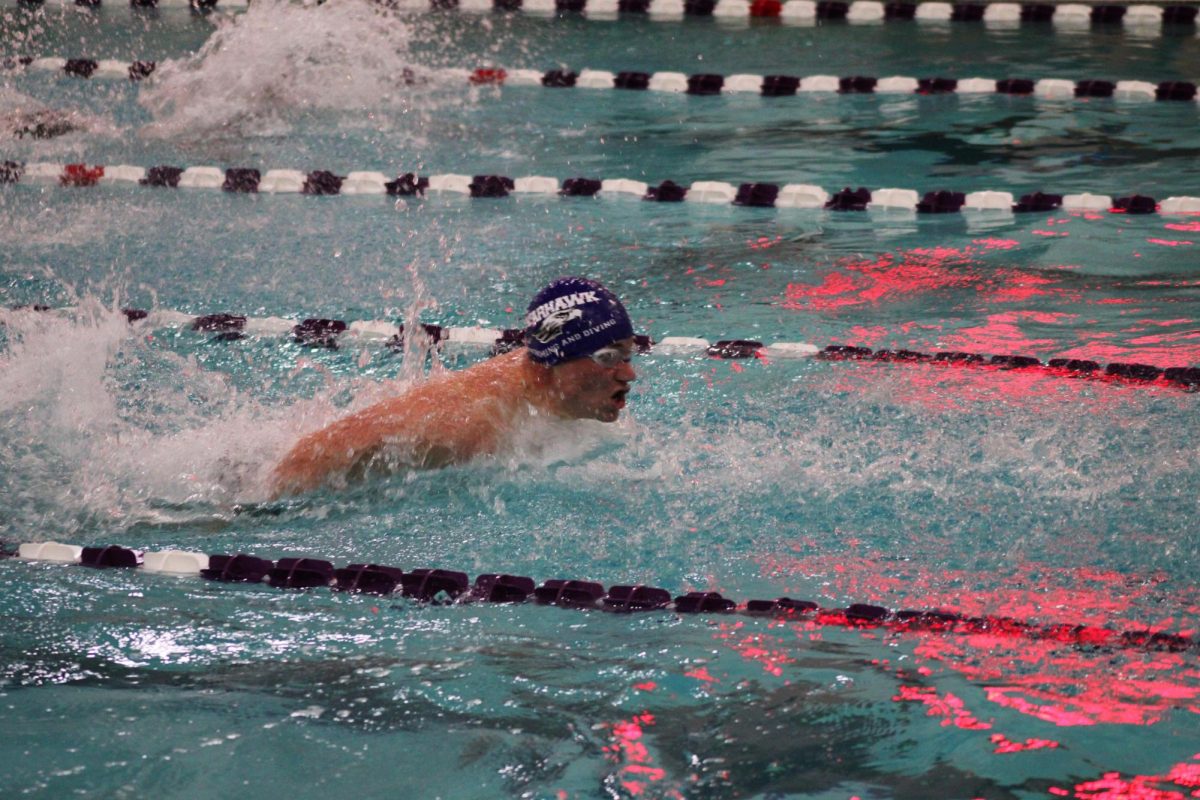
[[571, 318]]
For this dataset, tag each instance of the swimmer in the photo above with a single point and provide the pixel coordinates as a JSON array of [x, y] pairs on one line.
[[575, 365]]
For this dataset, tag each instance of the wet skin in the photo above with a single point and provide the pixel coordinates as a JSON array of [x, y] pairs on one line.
[[460, 416]]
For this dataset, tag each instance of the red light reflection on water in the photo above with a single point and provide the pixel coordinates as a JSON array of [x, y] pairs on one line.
[[1033, 673], [637, 766], [951, 387], [1059, 680], [1006, 745], [901, 275], [1112, 786], [1171, 349], [764, 242], [904, 275], [947, 706], [887, 277], [1001, 333], [1033, 591], [701, 674], [763, 648]]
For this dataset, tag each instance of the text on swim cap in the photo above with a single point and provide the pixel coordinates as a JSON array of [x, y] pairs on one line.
[[557, 348], [559, 304]]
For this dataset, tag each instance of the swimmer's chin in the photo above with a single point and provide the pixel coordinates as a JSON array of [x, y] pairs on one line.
[[612, 413]]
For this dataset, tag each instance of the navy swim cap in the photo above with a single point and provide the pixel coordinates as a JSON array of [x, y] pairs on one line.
[[571, 318]]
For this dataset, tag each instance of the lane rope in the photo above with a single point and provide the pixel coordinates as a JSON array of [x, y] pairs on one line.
[[246, 180], [1144, 19], [704, 84], [442, 586], [330, 334]]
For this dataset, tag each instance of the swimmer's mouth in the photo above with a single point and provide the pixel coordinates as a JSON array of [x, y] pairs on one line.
[[620, 395]]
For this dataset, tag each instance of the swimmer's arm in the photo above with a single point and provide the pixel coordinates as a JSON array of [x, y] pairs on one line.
[[335, 448], [433, 436]]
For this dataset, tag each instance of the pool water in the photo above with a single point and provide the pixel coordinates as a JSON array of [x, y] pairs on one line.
[[1042, 498]]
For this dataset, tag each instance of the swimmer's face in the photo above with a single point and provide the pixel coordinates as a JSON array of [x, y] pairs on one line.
[[595, 386]]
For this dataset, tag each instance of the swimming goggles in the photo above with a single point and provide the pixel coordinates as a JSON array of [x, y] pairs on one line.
[[612, 356]]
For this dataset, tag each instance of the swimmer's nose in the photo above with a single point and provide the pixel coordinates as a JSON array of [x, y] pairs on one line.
[[626, 373]]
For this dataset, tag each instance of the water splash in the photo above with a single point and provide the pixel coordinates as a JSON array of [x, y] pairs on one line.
[[94, 442], [262, 69], [47, 130], [107, 427]]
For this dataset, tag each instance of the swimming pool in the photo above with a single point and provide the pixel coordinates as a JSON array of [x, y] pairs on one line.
[[1025, 494]]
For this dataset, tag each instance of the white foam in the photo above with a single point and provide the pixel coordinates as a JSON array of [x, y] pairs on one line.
[[261, 69], [176, 447]]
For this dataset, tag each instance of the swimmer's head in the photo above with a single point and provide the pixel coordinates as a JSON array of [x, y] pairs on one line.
[[581, 334], [572, 318]]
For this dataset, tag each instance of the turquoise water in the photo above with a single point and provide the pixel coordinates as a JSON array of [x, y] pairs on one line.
[[1045, 499]]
